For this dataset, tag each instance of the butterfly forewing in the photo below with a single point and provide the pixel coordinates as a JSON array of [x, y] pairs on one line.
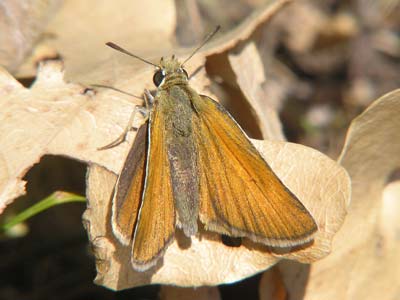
[[156, 225], [240, 195], [129, 188]]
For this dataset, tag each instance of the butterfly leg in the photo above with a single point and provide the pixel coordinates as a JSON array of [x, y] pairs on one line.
[[122, 138], [148, 99]]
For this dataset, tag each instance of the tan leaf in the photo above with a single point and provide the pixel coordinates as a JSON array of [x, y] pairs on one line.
[[364, 263], [80, 29], [319, 182], [24, 126], [22, 23], [249, 71]]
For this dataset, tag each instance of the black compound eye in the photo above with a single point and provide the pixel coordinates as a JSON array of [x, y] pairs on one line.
[[158, 77]]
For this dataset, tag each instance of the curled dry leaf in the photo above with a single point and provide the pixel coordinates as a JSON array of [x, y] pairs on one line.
[[69, 112], [85, 52], [364, 263], [246, 28], [55, 117], [320, 183], [248, 67]]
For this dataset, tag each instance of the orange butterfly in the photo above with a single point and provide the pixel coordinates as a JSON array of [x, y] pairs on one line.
[[191, 162]]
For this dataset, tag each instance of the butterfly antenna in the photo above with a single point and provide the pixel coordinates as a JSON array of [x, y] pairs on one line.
[[115, 89], [118, 48], [208, 37]]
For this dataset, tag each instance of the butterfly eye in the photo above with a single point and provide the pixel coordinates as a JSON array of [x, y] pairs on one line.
[[158, 77]]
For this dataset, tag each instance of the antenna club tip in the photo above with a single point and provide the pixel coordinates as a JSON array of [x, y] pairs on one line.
[[112, 45]]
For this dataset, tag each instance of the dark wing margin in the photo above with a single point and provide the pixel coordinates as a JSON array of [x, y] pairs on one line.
[[240, 194]]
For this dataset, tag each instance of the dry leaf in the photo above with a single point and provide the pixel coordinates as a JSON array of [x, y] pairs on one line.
[[114, 111], [21, 24], [54, 117], [196, 265], [248, 67], [364, 263], [245, 29], [79, 36]]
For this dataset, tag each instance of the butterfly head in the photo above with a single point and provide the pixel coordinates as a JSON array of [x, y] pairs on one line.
[[169, 70]]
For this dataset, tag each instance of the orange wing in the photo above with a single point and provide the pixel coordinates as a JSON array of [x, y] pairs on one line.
[[129, 188], [240, 195], [156, 225]]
